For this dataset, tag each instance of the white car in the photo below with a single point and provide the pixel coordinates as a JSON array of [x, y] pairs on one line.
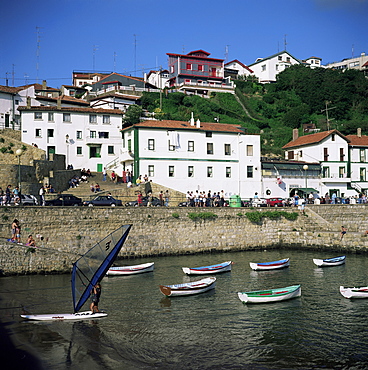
[[27, 200]]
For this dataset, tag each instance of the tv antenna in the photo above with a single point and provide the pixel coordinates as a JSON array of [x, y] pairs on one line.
[[285, 43], [95, 48], [38, 51], [326, 110]]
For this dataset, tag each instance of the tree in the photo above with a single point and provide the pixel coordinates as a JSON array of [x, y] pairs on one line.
[[132, 115]]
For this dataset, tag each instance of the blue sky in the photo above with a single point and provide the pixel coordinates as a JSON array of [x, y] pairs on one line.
[[132, 36]]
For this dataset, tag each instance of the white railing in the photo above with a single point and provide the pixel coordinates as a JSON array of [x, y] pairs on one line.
[[124, 88], [357, 187]]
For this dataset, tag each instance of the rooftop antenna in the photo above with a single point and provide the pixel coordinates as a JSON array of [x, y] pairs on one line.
[[183, 49], [326, 110], [352, 51], [6, 79], [114, 61], [38, 51], [26, 79], [135, 53], [95, 47], [13, 73], [285, 43], [226, 52]]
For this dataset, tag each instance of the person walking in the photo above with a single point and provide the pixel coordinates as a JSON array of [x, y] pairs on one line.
[[8, 195], [104, 174], [167, 197], [42, 196]]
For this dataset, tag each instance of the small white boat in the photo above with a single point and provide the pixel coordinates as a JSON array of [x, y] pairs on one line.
[[194, 287], [272, 295], [65, 316], [358, 292], [270, 265], [131, 270], [204, 270], [336, 261]]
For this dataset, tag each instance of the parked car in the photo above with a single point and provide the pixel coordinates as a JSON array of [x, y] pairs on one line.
[[155, 202], [27, 200], [64, 200], [103, 200], [259, 202], [275, 202]]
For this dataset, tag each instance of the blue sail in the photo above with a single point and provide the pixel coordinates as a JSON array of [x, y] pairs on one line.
[[93, 265]]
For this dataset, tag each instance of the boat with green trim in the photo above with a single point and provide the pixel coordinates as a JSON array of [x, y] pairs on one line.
[[271, 295]]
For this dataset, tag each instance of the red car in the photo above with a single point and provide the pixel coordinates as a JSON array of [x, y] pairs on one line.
[[275, 202]]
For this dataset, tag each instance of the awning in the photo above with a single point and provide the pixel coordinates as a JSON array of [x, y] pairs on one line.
[[306, 190]]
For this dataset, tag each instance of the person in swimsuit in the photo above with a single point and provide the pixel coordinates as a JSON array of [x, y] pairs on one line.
[[95, 295]]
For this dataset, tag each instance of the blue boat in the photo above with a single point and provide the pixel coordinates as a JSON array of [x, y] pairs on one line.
[[270, 265], [336, 261], [212, 269]]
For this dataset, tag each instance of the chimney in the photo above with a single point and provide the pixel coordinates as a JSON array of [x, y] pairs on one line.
[[359, 132], [44, 85], [28, 102], [192, 120], [59, 103], [198, 123], [295, 134]]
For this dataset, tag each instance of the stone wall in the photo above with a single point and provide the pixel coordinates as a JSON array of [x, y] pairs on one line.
[[69, 232]]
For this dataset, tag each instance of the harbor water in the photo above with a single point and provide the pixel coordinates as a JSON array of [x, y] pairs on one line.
[[213, 330]]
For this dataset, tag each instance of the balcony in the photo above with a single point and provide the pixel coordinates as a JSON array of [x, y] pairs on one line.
[[335, 178]]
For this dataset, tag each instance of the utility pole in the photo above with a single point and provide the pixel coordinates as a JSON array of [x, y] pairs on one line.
[[326, 110], [114, 61], [285, 43], [13, 73], [135, 54], [38, 51]]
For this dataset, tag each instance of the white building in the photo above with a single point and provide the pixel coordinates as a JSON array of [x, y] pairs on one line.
[[359, 63], [236, 69], [159, 79], [266, 69], [188, 156], [343, 160], [88, 137], [313, 62]]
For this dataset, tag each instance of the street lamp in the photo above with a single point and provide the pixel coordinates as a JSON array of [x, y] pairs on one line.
[[305, 168], [67, 150], [18, 153]]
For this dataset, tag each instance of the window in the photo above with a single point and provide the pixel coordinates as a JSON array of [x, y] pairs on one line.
[[171, 147], [79, 135], [92, 134], [16, 102], [187, 81], [190, 146], [38, 115], [209, 171], [362, 155], [151, 144], [249, 150], [172, 69], [189, 66], [66, 117], [333, 137], [326, 172], [50, 132], [227, 149], [103, 135], [130, 145], [38, 132], [106, 119], [110, 149], [93, 118], [288, 59], [95, 152], [249, 171], [362, 173], [51, 117], [228, 172], [279, 57], [342, 155], [190, 171], [277, 67], [208, 134], [79, 150], [171, 171], [325, 154], [341, 172], [290, 154], [209, 148], [200, 67], [151, 170], [263, 67]]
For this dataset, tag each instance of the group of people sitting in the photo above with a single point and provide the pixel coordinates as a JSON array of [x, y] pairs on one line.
[[95, 188]]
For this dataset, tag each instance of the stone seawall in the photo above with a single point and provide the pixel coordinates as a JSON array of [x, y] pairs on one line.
[[64, 233]]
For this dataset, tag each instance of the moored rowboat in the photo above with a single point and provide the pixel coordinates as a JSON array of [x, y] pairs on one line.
[[358, 292], [194, 287], [270, 265], [336, 261], [130, 270], [272, 295], [212, 269]]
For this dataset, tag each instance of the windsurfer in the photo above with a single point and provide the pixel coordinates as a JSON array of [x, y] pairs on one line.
[[95, 293]]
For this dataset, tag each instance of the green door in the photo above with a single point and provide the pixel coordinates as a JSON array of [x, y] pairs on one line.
[[99, 167]]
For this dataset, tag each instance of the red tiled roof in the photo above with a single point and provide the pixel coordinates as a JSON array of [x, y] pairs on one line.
[[71, 109], [64, 98], [115, 95], [312, 139], [183, 125], [243, 65], [356, 140], [9, 89]]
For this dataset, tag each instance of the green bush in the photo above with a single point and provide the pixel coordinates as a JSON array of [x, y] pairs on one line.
[[202, 216], [175, 215], [256, 217], [3, 149]]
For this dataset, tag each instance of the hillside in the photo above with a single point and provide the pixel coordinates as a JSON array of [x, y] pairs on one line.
[[301, 95]]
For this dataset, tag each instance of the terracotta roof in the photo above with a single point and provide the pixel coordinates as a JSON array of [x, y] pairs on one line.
[[64, 98], [356, 140], [9, 89], [312, 139], [183, 125], [243, 65], [71, 109], [115, 95]]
